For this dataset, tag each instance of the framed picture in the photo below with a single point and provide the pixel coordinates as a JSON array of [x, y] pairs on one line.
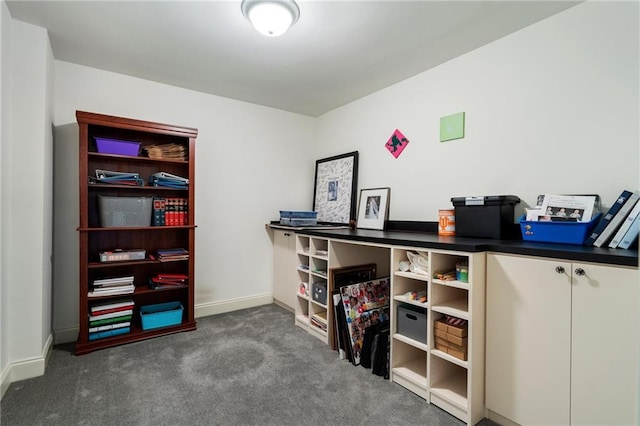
[[373, 208], [335, 186]]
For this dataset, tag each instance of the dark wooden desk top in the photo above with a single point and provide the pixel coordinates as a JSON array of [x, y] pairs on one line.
[[571, 252]]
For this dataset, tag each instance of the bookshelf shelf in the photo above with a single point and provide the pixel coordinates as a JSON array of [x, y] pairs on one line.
[[95, 238], [136, 228]]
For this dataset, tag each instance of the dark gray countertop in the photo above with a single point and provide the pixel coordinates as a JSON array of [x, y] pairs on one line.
[[433, 241]]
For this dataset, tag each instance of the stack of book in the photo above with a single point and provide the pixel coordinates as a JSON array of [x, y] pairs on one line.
[[162, 281], [172, 254], [170, 211], [168, 180], [619, 227], [111, 286], [110, 319], [116, 178], [319, 320]]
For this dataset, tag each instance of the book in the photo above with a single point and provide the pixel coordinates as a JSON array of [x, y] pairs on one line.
[[169, 177], [108, 282], [632, 234], [159, 204], [119, 255], [123, 303], [625, 226], [111, 310], [110, 315], [110, 320], [607, 217], [110, 291], [576, 208], [157, 284], [110, 326], [616, 220], [109, 333]]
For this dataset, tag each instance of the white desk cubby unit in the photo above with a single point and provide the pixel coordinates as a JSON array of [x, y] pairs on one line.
[[453, 384], [313, 264]]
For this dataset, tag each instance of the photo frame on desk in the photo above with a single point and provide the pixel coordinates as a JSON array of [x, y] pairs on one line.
[[373, 208], [334, 189]]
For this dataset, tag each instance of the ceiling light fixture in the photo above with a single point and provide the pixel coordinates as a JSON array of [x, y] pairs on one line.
[[271, 17]]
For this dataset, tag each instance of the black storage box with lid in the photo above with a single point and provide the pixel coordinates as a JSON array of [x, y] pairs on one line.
[[489, 216]]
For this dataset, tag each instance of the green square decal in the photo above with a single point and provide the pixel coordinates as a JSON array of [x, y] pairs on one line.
[[452, 127]]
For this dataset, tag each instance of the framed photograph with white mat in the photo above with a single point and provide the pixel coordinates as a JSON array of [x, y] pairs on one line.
[[334, 190], [373, 208]]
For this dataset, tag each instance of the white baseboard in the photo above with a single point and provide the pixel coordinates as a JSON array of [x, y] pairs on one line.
[[213, 308], [501, 420], [26, 368], [4, 380]]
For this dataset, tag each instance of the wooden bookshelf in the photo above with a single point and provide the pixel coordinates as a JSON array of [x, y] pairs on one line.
[[95, 238]]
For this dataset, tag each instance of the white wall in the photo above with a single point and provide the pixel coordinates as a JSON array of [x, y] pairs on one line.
[[552, 108], [251, 161], [5, 119], [26, 202]]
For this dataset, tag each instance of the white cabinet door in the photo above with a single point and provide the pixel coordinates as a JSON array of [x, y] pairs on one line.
[[528, 339], [605, 355], [285, 279]]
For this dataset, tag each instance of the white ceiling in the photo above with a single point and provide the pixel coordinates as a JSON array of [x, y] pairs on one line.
[[337, 52]]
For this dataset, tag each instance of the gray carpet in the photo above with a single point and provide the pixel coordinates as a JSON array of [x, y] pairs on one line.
[[248, 367]]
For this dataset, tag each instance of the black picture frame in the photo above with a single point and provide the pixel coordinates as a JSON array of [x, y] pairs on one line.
[[335, 188]]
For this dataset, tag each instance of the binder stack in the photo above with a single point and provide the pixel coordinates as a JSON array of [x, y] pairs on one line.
[[168, 180], [116, 178]]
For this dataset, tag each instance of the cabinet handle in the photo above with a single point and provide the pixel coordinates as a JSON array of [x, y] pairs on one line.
[[286, 234], [560, 269], [580, 272]]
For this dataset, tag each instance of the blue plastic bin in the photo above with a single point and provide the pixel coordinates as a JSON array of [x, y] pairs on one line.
[[161, 315], [557, 232], [298, 218]]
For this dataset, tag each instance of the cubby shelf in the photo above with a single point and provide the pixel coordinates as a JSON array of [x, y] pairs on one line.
[[454, 384]]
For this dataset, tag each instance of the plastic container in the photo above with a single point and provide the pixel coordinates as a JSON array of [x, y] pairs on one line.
[[125, 211], [489, 216], [558, 232], [161, 315], [117, 146], [298, 222], [298, 218], [462, 272]]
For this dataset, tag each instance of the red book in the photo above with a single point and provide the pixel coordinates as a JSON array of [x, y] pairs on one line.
[[111, 310]]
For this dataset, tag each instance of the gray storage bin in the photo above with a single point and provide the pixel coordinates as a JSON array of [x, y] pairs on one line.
[[125, 211], [412, 322]]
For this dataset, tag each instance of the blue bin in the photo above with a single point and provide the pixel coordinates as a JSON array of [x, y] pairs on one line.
[[557, 232], [161, 315]]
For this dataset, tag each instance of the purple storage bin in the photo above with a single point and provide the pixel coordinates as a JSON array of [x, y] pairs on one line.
[[117, 146]]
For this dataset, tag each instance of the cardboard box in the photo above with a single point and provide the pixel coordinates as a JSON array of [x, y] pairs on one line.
[[456, 330], [456, 352], [440, 325], [458, 341], [440, 333], [441, 344]]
